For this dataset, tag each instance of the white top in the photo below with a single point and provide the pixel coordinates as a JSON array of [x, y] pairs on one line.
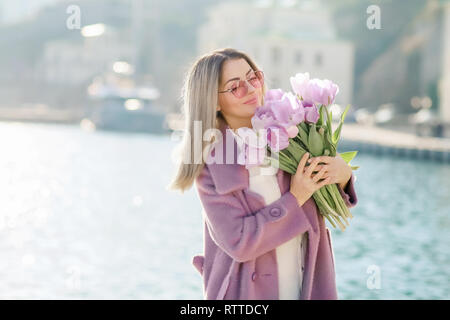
[[290, 255]]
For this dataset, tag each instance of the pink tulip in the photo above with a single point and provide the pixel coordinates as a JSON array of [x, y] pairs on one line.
[[314, 91], [299, 84], [277, 138]]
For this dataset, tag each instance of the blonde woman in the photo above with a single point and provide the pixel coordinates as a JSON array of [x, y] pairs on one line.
[[263, 235]]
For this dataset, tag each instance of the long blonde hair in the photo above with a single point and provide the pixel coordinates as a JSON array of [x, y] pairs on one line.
[[200, 99]]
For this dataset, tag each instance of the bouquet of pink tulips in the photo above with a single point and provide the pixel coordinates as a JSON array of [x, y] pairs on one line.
[[289, 125]]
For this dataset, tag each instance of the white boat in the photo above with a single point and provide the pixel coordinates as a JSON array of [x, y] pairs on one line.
[[119, 104]]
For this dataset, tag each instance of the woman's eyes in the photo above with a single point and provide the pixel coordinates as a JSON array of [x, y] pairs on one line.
[[236, 86]]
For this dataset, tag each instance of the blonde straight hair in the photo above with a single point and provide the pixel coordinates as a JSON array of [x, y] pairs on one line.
[[200, 99]]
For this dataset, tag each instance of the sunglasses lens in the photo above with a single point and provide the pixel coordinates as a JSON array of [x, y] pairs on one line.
[[257, 80], [241, 89], [260, 76]]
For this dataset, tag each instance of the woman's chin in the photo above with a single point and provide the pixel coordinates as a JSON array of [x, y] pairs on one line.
[[252, 106]]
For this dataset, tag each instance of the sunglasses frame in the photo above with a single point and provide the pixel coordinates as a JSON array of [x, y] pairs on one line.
[[246, 81]]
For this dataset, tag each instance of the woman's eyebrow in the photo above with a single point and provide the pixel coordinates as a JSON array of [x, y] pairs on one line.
[[250, 70]]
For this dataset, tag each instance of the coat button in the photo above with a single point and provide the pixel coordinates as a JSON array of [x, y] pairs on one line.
[[254, 276], [275, 212]]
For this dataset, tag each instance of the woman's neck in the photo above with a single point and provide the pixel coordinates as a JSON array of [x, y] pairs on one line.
[[239, 123]]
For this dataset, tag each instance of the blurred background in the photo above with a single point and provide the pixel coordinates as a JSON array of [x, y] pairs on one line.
[[90, 113]]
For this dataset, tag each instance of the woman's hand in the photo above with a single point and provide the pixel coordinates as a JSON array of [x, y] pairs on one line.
[[303, 183], [335, 168]]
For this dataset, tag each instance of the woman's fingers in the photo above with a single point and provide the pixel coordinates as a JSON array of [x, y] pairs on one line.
[[319, 175], [319, 167], [312, 166], [301, 165], [324, 182], [323, 159]]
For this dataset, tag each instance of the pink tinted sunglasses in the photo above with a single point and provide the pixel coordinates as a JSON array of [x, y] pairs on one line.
[[239, 88]]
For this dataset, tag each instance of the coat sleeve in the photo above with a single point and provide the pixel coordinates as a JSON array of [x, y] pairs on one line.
[[349, 194], [246, 236]]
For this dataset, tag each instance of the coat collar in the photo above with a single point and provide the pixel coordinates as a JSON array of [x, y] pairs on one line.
[[228, 175]]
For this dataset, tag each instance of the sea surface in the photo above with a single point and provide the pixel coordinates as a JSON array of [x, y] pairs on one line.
[[86, 215]]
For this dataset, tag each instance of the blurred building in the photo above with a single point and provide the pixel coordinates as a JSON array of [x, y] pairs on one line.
[[285, 38], [68, 62]]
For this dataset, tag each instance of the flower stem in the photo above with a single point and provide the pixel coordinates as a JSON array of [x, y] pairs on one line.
[[335, 195], [327, 209]]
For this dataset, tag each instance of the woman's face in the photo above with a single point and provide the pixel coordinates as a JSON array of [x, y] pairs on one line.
[[238, 111]]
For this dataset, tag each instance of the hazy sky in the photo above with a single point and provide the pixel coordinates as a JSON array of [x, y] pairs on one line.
[[13, 11]]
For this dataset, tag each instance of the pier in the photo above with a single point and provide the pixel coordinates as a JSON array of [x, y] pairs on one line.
[[382, 141]]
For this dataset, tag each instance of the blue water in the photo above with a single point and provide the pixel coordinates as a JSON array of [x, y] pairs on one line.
[[85, 215]]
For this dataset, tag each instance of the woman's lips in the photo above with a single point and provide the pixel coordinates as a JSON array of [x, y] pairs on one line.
[[251, 101]]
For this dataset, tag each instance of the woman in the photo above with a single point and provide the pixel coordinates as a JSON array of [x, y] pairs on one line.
[[263, 235]]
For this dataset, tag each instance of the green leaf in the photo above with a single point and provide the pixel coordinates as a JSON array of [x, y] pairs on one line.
[[330, 128], [321, 112], [305, 127], [295, 150], [300, 142], [345, 112], [315, 142], [337, 133], [303, 135], [348, 156], [329, 145]]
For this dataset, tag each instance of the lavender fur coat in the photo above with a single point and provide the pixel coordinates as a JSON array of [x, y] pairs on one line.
[[241, 234]]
